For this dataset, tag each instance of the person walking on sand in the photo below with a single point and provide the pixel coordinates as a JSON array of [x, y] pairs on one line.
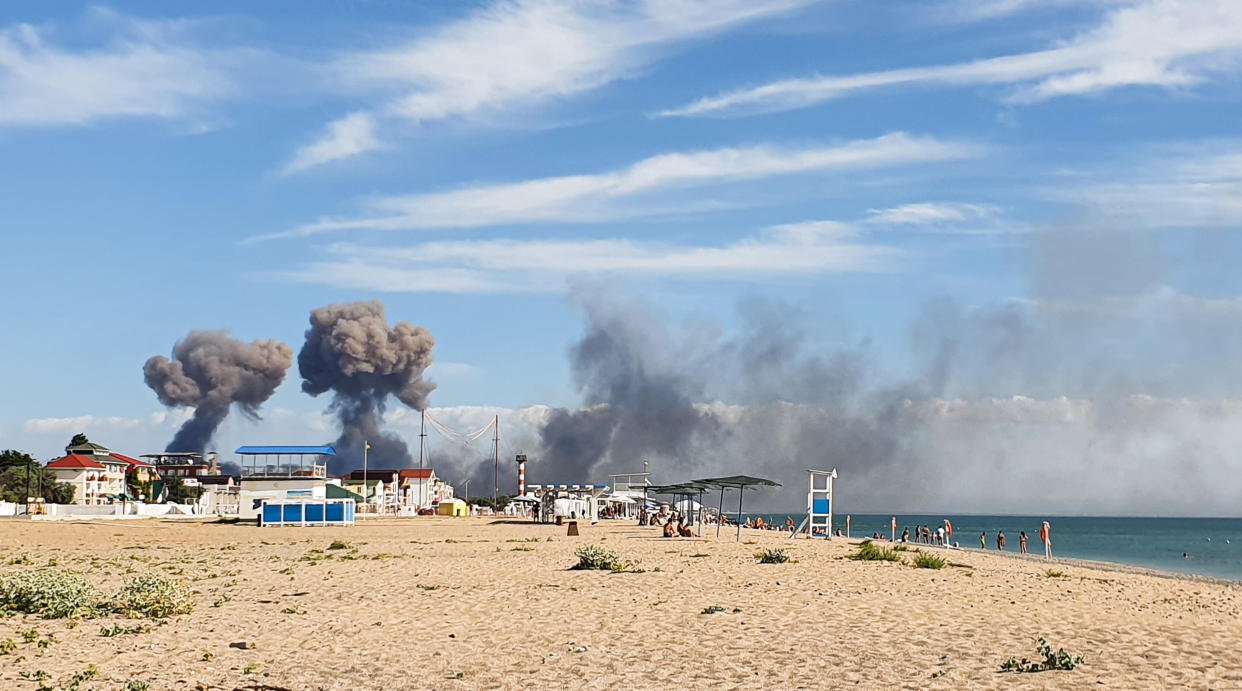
[[983, 540], [1000, 540], [1022, 541], [1045, 536]]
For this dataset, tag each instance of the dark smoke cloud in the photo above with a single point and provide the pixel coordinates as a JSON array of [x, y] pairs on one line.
[[351, 351], [211, 371]]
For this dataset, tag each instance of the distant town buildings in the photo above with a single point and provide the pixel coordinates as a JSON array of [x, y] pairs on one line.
[[100, 476]]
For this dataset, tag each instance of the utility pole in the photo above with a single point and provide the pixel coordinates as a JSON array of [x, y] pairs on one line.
[[422, 443], [28, 488], [496, 463], [366, 501]]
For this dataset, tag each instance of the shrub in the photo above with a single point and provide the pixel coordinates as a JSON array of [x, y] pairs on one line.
[[591, 558], [712, 610], [869, 551], [153, 596], [1054, 574], [338, 544], [1052, 661], [772, 556], [923, 560], [50, 593], [118, 630]]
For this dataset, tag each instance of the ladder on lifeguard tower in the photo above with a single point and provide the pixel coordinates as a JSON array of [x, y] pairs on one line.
[[818, 503]]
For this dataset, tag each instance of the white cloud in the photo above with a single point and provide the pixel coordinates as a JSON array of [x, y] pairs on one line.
[[504, 266], [90, 423], [594, 197], [1195, 187], [351, 135], [520, 53], [928, 213], [1169, 43], [144, 69]]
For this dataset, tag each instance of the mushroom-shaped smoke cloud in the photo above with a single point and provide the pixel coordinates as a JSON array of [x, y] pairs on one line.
[[351, 351], [211, 371]]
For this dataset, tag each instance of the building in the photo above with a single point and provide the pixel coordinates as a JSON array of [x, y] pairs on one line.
[[100, 476], [185, 465], [281, 474], [415, 487]]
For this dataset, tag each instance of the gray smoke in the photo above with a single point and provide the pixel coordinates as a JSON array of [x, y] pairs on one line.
[[210, 372], [351, 351], [1102, 387]]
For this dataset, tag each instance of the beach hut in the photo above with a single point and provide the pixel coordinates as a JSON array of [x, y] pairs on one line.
[[452, 507]]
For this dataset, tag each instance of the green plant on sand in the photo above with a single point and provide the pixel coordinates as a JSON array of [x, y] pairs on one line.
[[1052, 661], [153, 596], [923, 560], [50, 593], [595, 558], [869, 551], [772, 556]]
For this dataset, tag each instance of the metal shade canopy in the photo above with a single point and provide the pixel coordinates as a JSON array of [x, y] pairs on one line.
[[740, 483]]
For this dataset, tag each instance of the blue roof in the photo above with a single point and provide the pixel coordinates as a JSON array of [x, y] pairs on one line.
[[266, 450]]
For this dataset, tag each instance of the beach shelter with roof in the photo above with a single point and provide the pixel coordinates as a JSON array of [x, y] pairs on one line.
[[740, 483]]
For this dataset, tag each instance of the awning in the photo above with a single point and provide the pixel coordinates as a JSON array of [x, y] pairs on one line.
[[740, 483]]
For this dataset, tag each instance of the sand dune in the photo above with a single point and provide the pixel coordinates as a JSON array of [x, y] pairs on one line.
[[463, 603]]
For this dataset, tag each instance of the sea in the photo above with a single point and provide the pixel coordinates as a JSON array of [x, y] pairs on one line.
[[1204, 546]]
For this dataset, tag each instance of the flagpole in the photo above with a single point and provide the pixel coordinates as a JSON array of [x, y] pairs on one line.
[[365, 499]]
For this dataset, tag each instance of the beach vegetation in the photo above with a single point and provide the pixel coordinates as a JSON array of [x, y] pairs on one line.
[[1059, 660], [960, 565], [923, 560], [772, 556], [153, 596], [76, 679], [596, 558], [118, 630], [50, 593], [136, 685], [903, 548], [712, 610], [1054, 574], [338, 544], [22, 559], [7, 646], [869, 551]]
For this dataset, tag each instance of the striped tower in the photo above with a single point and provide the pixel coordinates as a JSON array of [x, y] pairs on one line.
[[521, 464]]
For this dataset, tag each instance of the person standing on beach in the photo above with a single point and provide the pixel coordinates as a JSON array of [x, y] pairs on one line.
[[983, 540], [1000, 540], [1022, 541], [1045, 536]]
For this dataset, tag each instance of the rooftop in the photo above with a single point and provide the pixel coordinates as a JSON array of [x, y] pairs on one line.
[[74, 460]]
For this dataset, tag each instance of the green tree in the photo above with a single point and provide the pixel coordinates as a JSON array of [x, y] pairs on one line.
[[18, 468], [78, 440], [178, 493]]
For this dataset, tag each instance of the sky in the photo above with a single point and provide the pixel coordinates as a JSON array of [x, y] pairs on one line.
[[1053, 187]]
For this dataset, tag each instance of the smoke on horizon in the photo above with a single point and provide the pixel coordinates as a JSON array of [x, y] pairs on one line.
[[351, 351], [210, 371]]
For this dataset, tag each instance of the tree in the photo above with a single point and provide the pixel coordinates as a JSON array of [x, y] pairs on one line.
[[20, 470], [78, 440], [178, 493]]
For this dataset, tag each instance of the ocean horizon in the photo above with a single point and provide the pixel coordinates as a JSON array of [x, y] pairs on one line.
[[1211, 546]]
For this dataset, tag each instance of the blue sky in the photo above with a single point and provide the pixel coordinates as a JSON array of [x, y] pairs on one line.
[[170, 167]]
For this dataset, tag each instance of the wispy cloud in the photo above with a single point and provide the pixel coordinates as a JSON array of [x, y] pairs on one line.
[[351, 135], [596, 197], [928, 213], [515, 54], [1195, 187], [138, 68], [505, 266], [1167, 43]]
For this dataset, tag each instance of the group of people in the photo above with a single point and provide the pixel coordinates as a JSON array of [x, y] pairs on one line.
[[941, 535], [1045, 536]]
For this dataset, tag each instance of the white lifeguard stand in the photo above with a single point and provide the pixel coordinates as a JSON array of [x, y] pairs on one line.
[[818, 503]]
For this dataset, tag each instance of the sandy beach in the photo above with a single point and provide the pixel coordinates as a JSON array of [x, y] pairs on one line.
[[441, 603]]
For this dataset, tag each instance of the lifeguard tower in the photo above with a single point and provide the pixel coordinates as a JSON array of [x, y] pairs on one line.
[[818, 504]]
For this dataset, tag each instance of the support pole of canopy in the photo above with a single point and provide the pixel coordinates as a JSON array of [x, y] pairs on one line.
[[720, 511], [741, 489]]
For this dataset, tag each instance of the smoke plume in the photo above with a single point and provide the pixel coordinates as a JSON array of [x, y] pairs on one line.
[[351, 351], [211, 371], [1103, 388]]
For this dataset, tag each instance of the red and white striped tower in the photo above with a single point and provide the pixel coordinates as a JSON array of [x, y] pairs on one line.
[[521, 464]]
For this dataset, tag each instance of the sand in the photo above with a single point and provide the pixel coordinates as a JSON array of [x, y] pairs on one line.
[[443, 603]]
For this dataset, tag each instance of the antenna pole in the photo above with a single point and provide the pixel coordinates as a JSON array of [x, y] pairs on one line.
[[496, 463], [422, 443]]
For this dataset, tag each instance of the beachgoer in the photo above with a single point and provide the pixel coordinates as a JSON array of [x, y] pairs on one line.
[[905, 535], [1045, 536], [839, 533], [759, 522], [1022, 541], [983, 540], [789, 524], [940, 536], [1000, 540], [669, 530], [685, 531]]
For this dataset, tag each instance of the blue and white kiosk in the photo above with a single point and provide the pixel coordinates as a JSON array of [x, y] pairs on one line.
[[287, 485]]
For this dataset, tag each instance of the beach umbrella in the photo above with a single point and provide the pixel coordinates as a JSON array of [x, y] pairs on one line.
[[740, 483]]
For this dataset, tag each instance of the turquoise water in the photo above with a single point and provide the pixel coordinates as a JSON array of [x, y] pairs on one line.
[[1213, 546]]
